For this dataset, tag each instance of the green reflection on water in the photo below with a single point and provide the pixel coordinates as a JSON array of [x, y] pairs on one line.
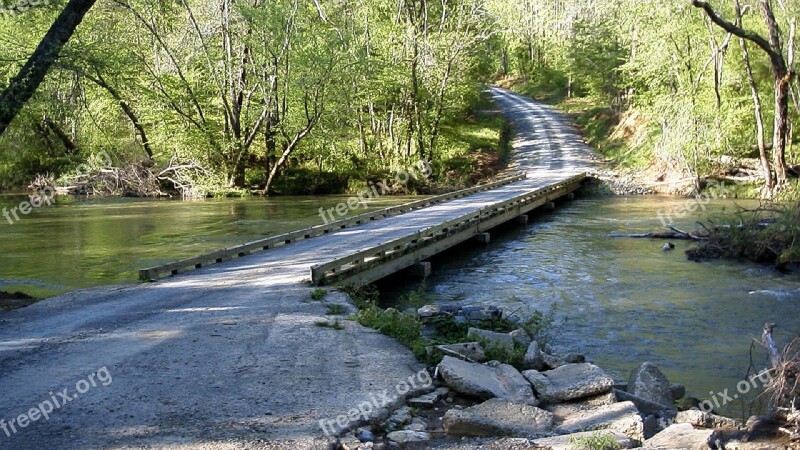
[[80, 243]]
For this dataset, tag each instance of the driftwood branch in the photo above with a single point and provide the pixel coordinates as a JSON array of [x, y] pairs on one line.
[[769, 343]]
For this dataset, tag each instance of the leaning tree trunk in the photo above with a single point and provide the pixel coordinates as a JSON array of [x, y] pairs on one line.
[[22, 87]]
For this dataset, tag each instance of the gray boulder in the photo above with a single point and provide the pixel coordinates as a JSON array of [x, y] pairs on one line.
[[621, 417], [552, 362], [645, 406], [569, 382], [702, 419], [408, 437], [492, 338], [497, 417], [471, 351], [649, 383], [521, 337], [487, 380], [681, 436], [533, 357]]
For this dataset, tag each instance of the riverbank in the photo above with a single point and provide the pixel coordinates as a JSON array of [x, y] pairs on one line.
[[497, 383]]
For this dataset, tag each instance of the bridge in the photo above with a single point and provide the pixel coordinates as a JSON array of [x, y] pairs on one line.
[[222, 349]]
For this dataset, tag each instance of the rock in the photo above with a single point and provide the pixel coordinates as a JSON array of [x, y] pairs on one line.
[[428, 400], [651, 426], [678, 391], [486, 381], [428, 311], [416, 425], [533, 357], [472, 351], [492, 338], [680, 436], [568, 441], [564, 410], [702, 419], [402, 416], [365, 435], [497, 417], [645, 406], [621, 417], [574, 358], [408, 437], [687, 403], [552, 362], [649, 383], [521, 337], [479, 314], [668, 246], [569, 382]]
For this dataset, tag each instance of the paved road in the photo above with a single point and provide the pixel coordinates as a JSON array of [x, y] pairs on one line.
[[228, 356]]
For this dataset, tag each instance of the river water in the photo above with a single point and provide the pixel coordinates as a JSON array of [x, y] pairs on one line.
[[79, 243], [623, 301]]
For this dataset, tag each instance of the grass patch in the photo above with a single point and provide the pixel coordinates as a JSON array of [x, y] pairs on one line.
[[336, 324], [408, 329], [335, 310], [318, 294], [597, 441]]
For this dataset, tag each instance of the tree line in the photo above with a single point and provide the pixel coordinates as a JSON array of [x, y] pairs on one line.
[[238, 92]]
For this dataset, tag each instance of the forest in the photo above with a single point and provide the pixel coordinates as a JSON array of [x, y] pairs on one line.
[[225, 97]]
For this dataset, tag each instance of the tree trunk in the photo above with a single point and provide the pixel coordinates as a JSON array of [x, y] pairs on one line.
[[22, 87], [126, 108], [781, 128], [758, 110], [780, 71]]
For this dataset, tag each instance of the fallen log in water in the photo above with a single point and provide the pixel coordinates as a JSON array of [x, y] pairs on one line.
[[673, 234]]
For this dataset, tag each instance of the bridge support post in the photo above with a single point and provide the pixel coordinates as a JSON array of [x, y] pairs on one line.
[[420, 270], [549, 206], [482, 238], [522, 219], [570, 196]]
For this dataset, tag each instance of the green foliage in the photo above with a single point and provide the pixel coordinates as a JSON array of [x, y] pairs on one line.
[[318, 293], [596, 441], [335, 309], [336, 324], [766, 235], [408, 330]]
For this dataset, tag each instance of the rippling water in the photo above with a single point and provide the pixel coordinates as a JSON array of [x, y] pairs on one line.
[[624, 300]]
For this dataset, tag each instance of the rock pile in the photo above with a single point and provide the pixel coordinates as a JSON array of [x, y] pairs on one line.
[[550, 402]]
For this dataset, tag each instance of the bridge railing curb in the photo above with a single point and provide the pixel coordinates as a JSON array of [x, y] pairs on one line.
[[172, 268]]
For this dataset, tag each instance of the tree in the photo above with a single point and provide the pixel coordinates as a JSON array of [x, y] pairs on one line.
[[22, 87], [781, 71]]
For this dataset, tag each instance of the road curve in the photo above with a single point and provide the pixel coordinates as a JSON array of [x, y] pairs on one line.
[[229, 356]]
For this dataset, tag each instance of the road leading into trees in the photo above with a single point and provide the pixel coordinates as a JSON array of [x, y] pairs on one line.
[[230, 355]]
